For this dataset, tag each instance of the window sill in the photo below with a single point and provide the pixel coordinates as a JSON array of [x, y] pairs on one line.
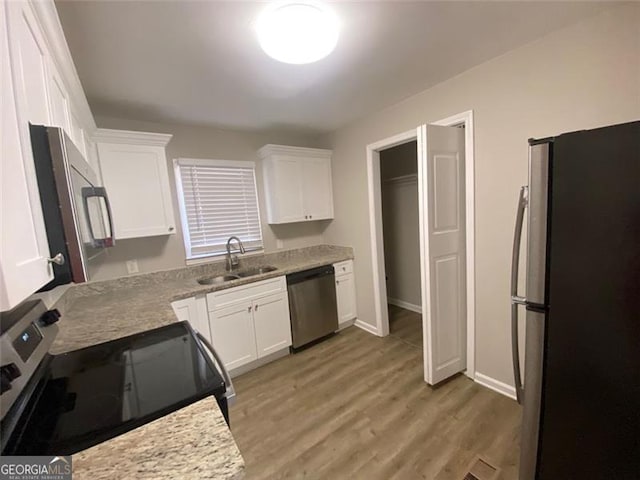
[[218, 257]]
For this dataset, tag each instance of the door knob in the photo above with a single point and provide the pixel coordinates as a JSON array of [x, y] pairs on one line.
[[58, 259]]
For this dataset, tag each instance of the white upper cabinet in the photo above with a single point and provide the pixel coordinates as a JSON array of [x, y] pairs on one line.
[[297, 183], [24, 250], [58, 100], [77, 132], [134, 172], [40, 86], [29, 64], [316, 185]]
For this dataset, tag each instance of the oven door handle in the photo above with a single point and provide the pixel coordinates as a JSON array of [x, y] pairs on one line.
[[231, 392]]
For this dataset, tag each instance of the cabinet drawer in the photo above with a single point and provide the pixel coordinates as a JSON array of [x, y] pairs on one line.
[[223, 298], [342, 268]]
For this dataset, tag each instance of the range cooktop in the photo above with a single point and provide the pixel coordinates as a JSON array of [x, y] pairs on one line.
[[81, 398]]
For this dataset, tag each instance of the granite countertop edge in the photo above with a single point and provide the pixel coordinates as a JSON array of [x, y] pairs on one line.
[[170, 447], [198, 289], [101, 311]]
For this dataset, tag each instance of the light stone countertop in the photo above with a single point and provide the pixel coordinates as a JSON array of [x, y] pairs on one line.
[[191, 443], [97, 312]]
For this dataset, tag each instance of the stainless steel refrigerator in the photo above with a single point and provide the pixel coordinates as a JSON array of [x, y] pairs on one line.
[[581, 391]]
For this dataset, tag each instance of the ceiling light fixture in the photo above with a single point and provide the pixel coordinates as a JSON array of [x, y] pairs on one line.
[[297, 32]]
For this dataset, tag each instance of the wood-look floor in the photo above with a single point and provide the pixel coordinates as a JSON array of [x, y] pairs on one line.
[[405, 325], [356, 407]]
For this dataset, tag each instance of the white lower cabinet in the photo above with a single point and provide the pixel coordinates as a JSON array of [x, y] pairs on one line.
[[345, 293], [272, 324], [250, 322], [233, 334], [194, 311]]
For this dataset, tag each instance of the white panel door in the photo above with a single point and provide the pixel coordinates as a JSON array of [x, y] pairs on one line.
[[138, 184], [24, 249], [285, 190], [346, 298], [272, 324], [233, 335], [442, 164], [317, 190]]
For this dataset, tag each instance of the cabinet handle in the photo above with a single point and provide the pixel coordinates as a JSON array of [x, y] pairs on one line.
[[337, 282], [171, 229], [310, 217], [249, 309], [58, 259], [256, 309]]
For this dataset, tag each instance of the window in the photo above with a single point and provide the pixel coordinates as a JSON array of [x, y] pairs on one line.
[[217, 199]]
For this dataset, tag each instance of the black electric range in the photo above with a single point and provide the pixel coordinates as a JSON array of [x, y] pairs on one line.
[[81, 398]]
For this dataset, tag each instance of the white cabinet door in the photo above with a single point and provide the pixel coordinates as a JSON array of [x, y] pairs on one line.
[[92, 157], [318, 194], [29, 65], [77, 132], [346, 298], [194, 311], [272, 324], [24, 249], [58, 100], [297, 183], [138, 184], [233, 334], [284, 190]]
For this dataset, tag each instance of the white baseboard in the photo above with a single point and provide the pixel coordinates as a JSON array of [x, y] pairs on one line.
[[406, 305], [495, 385], [347, 324], [366, 327]]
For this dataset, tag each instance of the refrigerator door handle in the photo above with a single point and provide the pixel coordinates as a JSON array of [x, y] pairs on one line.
[[515, 298]]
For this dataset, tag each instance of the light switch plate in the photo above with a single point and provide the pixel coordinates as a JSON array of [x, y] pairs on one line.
[[132, 266]]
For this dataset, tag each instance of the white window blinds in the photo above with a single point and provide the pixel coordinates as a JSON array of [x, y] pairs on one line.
[[218, 199]]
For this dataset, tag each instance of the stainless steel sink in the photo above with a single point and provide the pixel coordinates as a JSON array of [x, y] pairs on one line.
[[217, 280], [256, 271]]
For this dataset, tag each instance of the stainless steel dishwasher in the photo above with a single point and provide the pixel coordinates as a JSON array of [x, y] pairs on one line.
[[312, 304]]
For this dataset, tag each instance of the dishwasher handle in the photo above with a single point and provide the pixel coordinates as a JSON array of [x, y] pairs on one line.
[[310, 274]]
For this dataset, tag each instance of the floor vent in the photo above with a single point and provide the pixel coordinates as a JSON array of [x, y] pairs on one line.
[[481, 470]]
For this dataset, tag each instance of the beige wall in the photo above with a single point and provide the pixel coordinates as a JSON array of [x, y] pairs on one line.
[[164, 252], [584, 76], [400, 222]]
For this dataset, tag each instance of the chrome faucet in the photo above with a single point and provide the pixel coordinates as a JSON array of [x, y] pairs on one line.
[[232, 260]]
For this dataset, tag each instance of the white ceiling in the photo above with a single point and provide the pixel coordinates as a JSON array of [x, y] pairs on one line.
[[199, 62]]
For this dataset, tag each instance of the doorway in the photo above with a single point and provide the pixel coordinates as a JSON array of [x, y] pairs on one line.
[[401, 240], [446, 227]]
